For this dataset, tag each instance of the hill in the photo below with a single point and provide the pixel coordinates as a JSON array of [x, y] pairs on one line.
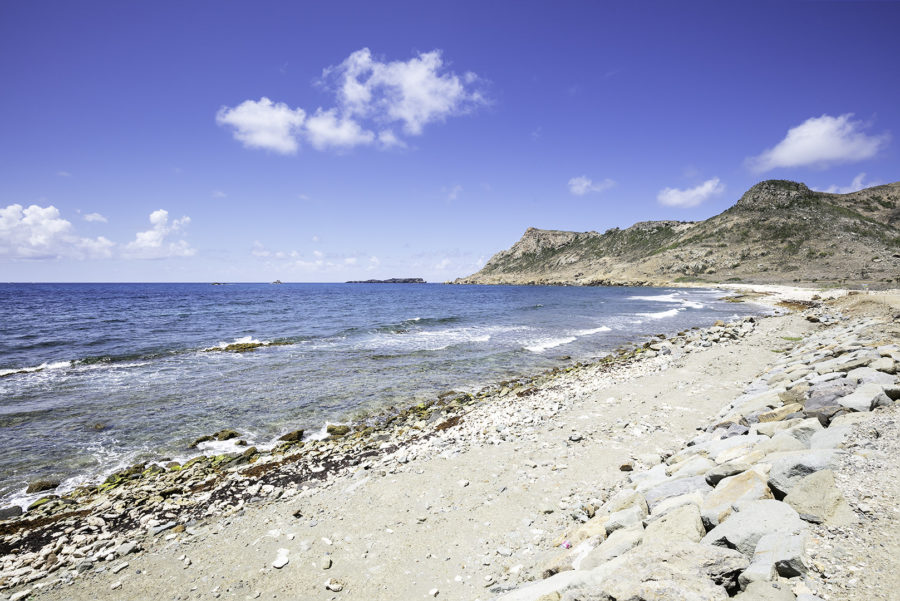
[[778, 232]]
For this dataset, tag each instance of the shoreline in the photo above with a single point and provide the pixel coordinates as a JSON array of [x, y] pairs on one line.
[[442, 432], [212, 448]]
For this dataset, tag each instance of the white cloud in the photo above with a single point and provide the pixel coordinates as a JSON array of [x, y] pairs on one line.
[[218, 194], [370, 96], [691, 197], [453, 193], [350, 260], [326, 130], [820, 142], [63, 174], [41, 233], [315, 238], [264, 124], [857, 184], [95, 217], [155, 244], [581, 185]]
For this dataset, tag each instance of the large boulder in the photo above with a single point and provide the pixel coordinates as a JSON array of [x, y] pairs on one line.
[[675, 488], [619, 542], [817, 497], [41, 485], [789, 468], [746, 486], [753, 520], [865, 398], [766, 591], [679, 524]]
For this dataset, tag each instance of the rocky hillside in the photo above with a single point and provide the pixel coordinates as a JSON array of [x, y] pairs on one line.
[[778, 232]]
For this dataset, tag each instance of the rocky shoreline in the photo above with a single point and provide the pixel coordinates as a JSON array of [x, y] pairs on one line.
[[90, 534]]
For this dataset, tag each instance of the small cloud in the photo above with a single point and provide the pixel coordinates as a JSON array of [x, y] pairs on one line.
[[821, 142], [63, 174], [303, 197], [443, 264], [318, 254], [691, 197], [388, 139], [856, 185], [154, 243], [581, 185], [536, 133], [95, 217], [453, 192], [218, 194], [315, 239], [264, 124], [350, 260]]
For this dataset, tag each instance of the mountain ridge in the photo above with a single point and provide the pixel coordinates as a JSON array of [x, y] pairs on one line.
[[779, 231]]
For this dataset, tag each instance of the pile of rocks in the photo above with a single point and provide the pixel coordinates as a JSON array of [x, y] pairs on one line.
[[731, 513]]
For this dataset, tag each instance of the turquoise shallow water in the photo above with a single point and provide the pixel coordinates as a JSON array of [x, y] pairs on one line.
[[95, 376]]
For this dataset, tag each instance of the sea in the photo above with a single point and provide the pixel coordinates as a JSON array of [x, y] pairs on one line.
[[96, 377]]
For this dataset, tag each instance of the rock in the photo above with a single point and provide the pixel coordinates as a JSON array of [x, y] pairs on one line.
[[753, 520], [281, 559], [672, 503], [826, 393], [816, 495], [746, 486], [42, 501], [781, 553], [674, 488], [41, 486], [20, 596], [162, 528], [325, 563], [771, 428], [683, 523], [126, 548], [675, 570], [624, 499], [594, 528], [718, 473], [695, 466], [10, 512], [788, 468], [295, 436], [780, 413], [626, 518], [335, 430], [866, 375], [885, 364], [334, 585], [865, 398], [830, 438], [765, 591], [619, 542], [804, 430]]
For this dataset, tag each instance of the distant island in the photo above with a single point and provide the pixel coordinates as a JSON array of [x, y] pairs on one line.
[[390, 281]]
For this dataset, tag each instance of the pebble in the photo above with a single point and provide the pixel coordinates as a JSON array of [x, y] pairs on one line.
[[463, 483], [334, 585], [119, 568], [433, 592], [326, 563], [281, 559]]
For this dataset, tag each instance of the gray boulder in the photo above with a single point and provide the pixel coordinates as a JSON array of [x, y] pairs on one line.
[[789, 468], [743, 529], [675, 488], [766, 591], [865, 398], [817, 496], [679, 524]]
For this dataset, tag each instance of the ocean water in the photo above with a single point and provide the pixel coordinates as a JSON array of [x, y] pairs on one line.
[[94, 377]]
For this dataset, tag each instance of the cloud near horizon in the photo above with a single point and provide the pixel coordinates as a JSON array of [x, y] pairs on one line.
[[821, 142], [155, 244], [581, 185], [41, 233], [372, 97], [691, 197]]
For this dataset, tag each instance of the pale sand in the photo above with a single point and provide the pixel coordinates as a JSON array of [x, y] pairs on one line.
[[398, 531]]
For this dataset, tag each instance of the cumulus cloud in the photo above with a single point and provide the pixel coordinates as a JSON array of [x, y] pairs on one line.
[[857, 184], [453, 193], [325, 129], [156, 242], [691, 197], [581, 185], [370, 95], [95, 217], [821, 142], [264, 124], [41, 233]]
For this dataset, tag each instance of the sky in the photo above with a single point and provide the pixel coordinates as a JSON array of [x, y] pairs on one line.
[[328, 141]]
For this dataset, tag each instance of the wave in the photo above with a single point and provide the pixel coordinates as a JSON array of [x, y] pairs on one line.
[[670, 298], [593, 331], [402, 327], [549, 343], [662, 314], [37, 368]]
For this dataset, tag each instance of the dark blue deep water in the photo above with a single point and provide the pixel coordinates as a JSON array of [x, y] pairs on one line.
[[96, 376]]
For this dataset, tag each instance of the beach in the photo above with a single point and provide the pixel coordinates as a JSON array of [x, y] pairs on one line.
[[471, 496]]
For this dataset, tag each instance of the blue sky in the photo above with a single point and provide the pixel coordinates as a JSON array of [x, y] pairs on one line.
[[249, 141]]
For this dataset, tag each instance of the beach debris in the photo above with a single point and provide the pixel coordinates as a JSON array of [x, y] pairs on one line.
[[281, 559], [334, 585]]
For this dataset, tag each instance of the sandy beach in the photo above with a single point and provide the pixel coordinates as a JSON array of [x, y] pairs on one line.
[[472, 499]]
